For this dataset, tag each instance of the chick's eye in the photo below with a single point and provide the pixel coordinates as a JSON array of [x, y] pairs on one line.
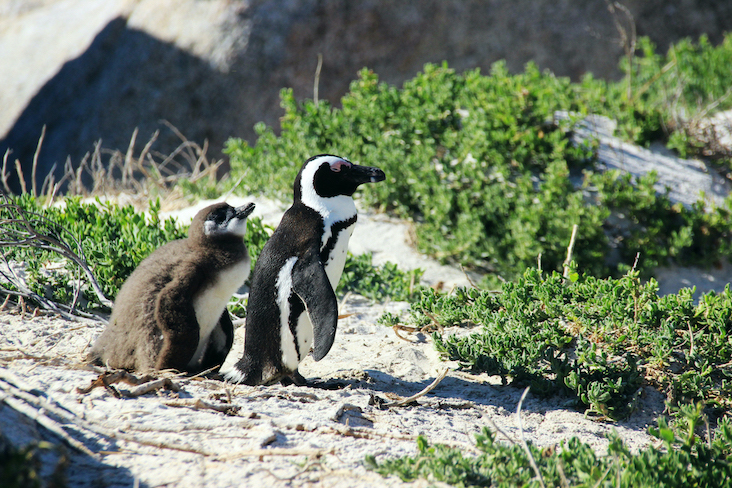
[[218, 217]]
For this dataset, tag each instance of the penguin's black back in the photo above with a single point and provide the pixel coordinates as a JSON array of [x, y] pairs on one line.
[[298, 234]]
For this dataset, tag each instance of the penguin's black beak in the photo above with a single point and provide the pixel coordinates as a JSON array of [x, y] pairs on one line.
[[244, 211], [365, 174]]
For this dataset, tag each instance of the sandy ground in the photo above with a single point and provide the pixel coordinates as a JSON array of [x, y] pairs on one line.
[[278, 436], [206, 433]]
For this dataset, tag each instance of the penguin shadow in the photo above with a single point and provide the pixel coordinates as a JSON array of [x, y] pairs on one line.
[[386, 388], [451, 390]]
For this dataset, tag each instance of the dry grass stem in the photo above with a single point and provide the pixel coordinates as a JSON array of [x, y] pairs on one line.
[[316, 82], [523, 439], [4, 172], [34, 168], [112, 172], [570, 251], [275, 451]]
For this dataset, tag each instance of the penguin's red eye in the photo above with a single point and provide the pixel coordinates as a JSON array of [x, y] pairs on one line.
[[339, 165]]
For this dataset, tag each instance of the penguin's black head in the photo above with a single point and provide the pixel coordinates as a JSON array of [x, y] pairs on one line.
[[326, 176], [221, 220]]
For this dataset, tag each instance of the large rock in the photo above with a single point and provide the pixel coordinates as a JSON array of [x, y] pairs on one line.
[[92, 70]]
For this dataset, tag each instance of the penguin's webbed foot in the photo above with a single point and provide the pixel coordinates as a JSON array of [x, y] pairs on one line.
[[294, 379], [299, 380]]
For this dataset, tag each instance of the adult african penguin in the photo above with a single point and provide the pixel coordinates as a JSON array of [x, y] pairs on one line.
[[171, 312], [292, 304]]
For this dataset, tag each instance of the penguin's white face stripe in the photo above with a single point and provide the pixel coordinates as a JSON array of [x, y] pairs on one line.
[[235, 226], [331, 209], [284, 290], [209, 227]]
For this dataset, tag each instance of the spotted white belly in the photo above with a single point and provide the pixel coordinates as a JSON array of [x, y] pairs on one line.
[[210, 304], [284, 290], [293, 353]]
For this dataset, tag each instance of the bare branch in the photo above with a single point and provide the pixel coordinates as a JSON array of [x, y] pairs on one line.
[[570, 251], [316, 82], [27, 229], [21, 176]]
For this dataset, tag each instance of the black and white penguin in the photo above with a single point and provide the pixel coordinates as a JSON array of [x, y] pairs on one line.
[[171, 312], [292, 304]]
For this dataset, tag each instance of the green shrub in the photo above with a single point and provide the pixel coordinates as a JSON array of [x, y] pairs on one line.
[[594, 339], [378, 283], [492, 182], [684, 460], [690, 81], [115, 239], [470, 157], [21, 467], [112, 239], [662, 232]]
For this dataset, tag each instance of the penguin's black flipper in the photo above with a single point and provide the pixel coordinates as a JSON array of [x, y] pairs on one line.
[[311, 284]]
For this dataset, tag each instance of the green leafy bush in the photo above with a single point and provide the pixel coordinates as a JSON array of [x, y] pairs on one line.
[[594, 339], [689, 82], [663, 232], [684, 460], [21, 467], [470, 157], [115, 239], [491, 180], [378, 283]]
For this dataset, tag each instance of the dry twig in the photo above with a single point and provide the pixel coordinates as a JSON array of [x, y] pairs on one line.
[[198, 404], [61, 416], [316, 82], [143, 385], [422, 393], [275, 451]]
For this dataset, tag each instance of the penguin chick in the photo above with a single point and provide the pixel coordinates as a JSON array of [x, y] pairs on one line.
[[292, 304], [171, 312]]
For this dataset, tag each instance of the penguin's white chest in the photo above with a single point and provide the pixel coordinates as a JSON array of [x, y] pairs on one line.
[[211, 302], [296, 346], [335, 212], [337, 258]]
